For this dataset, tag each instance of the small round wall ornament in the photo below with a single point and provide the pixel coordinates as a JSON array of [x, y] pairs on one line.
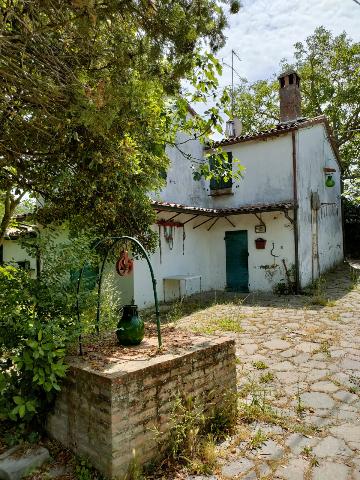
[[124, 264]]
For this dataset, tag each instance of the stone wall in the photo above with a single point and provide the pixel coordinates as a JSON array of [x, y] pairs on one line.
[[108, 416]]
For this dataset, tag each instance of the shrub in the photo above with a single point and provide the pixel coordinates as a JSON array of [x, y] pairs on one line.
[[33, 349], [38, 321]]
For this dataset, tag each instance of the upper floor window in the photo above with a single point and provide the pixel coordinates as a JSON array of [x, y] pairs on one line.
[[222, 183]]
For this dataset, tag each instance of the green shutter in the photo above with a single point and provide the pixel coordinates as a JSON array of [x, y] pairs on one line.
[[221, 184]]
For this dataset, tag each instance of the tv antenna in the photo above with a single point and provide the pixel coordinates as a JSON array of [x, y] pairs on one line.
[[233, 54]]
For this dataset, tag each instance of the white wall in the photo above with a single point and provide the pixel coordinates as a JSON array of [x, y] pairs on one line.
[[124, 285], [205, 256], [267, 177], [180, 185], [13, 252], [314, 152], [268, 173]]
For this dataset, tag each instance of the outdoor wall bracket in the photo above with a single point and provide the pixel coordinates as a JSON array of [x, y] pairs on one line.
[[260, 219], [286, 215], [115, 241]]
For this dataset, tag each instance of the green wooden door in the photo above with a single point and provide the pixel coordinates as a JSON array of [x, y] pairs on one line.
[[237, 272]]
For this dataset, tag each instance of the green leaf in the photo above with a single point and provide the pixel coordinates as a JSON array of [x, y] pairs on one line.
[[22, 411]]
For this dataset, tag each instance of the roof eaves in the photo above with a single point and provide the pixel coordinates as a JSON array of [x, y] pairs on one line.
[[273, 132], [213, 212]]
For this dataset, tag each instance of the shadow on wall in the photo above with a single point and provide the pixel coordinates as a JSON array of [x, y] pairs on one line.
[[351, 229]]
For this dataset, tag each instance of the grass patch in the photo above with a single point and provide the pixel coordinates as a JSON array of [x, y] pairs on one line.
[[322, 301], [255, 406], [307, 452], [300, 407], [258, 439], [317, 291], [226, 324], [266, 377], [260, 365], [335, 317], [324, 348], [194, 432]]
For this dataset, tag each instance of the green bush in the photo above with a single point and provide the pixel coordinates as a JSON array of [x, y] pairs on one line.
[[39, 323], [33, 349]]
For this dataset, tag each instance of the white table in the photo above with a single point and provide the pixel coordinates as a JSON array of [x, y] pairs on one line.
[[180, 279]]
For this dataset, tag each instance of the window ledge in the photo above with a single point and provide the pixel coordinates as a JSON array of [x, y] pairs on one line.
[[221, 191]]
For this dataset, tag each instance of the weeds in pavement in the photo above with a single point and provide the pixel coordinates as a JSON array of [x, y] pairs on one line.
[[307, 452], [258, 439], [260, 365], [324, 348], [300, 408], [195, 430], [226, 324], [266, 377]]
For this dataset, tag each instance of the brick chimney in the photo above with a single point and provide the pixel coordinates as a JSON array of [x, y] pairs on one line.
[[290, 97]]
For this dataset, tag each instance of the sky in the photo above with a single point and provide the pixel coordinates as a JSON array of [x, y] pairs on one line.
[[264, 32]]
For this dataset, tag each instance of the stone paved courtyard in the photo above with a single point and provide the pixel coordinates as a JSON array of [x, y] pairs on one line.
[[299, 382]]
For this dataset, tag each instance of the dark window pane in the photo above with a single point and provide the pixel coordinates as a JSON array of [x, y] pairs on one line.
[[218, 184]]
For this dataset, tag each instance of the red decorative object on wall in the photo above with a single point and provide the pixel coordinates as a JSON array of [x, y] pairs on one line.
[[124, 264], [260, 243]]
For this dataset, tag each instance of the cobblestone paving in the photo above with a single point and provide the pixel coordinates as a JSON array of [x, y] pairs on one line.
[[299, 367]]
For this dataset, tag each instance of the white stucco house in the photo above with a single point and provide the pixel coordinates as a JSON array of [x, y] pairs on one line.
[[280, 223]]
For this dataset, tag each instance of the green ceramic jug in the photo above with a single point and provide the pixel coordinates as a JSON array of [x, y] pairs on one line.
[[130, 329]]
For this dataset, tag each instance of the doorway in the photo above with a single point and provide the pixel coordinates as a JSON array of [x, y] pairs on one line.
[[237, 271]]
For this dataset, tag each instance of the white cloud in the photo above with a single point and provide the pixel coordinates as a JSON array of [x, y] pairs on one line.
[[264, 31]]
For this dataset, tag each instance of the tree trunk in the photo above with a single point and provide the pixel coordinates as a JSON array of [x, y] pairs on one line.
[[10, 204], [3, 226]]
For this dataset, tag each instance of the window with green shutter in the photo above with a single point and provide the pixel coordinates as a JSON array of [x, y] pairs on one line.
[[221, 183]]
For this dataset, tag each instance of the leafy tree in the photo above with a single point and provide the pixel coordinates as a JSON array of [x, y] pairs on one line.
[[88, 93], [329, 67]]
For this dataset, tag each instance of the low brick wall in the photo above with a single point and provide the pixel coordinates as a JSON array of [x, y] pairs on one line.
[[108, 415]]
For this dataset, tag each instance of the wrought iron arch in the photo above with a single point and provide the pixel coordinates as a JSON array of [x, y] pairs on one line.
[[115, 241]]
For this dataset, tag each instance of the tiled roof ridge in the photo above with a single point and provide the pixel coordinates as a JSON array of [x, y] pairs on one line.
[[278, 129]]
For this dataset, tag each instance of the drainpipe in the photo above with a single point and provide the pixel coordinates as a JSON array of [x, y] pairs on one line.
[[342, 210], [296, 233]]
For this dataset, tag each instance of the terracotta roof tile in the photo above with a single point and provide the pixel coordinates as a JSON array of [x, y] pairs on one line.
[[279, 129]]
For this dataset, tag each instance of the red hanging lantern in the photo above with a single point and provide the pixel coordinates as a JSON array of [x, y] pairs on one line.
[[124, 265]]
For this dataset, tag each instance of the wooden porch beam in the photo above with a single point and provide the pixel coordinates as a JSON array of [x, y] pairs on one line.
[[202, 223], [226, 218], [192, 218], [216, 219]]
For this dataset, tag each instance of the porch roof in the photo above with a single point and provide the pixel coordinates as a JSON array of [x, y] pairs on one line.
[[222, 212], [15, 232]]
